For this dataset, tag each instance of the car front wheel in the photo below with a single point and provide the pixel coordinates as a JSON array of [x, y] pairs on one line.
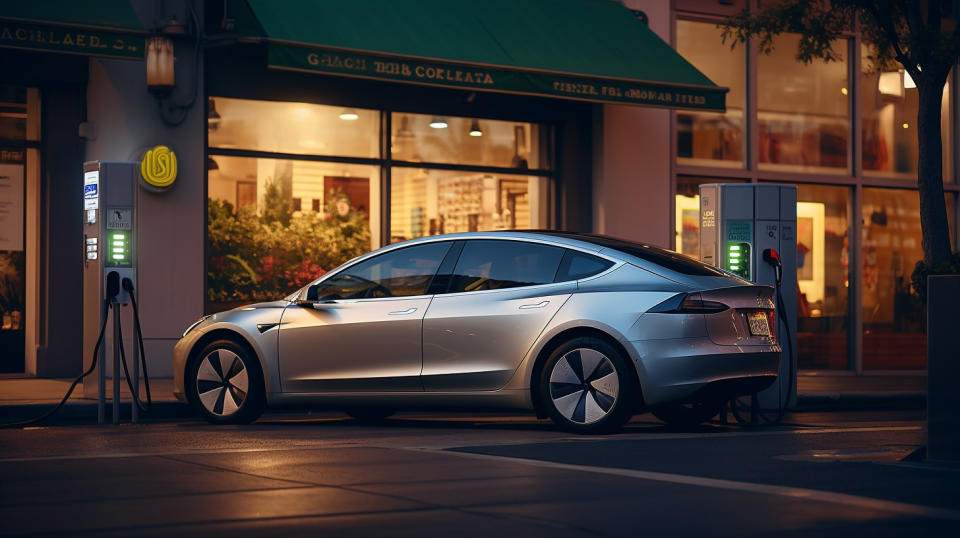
[[225, 383], [587, 386]]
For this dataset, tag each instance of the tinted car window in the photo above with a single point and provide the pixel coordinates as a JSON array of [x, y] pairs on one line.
[[666, 258], [398, 273], [491, 265], [577, 265]]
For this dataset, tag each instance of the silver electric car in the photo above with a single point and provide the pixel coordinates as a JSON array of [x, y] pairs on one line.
[[585, 329]]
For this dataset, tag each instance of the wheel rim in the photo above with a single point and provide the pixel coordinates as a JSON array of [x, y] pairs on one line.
[[222, 382], [584, 386]]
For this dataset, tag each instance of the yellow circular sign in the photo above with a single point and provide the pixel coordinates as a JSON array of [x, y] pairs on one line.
[[158, 167]]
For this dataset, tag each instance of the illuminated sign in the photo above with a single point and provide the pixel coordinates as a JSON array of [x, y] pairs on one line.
[[158, 168]]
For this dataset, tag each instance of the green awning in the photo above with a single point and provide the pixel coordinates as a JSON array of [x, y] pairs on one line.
[[101, 28], [594, 50]]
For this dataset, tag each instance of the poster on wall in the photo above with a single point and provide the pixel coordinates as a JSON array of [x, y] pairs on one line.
[[11, 206]]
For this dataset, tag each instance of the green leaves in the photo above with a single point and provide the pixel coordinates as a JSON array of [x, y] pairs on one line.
[[261, 257]]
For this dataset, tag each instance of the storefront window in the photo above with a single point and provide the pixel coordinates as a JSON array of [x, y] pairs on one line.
[[711, 138], [889, 105], [294, 189], [803, 111], [894, 335], [823, 277], [298, 128], [469, 141], [275, 225], [428, 202]]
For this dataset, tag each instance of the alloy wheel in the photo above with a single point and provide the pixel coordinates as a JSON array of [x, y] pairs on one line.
[[584, 385], [222, 382]]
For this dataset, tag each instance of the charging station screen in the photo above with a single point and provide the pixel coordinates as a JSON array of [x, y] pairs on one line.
[[118, 248]]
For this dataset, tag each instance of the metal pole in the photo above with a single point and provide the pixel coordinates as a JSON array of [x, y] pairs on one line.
[[134, 407], [116, 363], [102, 380]]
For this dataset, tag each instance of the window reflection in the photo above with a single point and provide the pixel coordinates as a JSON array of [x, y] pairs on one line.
[[889, 104], [469, 141], [429, 202], [894, 323], [823, 276], [711, 138], [803, 111], [300, 128], [274, 225]]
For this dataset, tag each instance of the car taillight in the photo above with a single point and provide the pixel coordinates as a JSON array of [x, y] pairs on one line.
[[694, 304], [690, 303], [772, 322]]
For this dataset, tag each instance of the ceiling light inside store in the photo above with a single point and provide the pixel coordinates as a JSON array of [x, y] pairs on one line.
[[906, 125], [890, 84], [843, 91], [438, 123], [213, 117], [349, 114], [475, 129]]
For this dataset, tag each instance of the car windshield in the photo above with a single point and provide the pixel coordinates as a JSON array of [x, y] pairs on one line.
[[662, 257]]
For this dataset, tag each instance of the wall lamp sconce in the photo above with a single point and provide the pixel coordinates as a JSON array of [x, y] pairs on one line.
[[160, 75]]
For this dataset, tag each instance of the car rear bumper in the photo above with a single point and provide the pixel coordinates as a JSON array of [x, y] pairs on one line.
[[682, 369]]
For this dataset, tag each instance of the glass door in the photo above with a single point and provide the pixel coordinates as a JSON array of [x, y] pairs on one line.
[[15, 144]]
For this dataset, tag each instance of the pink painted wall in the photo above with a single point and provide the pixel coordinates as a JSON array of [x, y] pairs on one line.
[[632, 178]]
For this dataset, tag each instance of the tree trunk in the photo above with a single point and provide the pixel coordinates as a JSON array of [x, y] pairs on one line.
[[933, 210]]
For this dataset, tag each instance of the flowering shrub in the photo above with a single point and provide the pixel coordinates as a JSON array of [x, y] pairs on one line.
[[263, 257]]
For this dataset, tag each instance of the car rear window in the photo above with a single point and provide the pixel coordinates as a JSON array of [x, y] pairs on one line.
[[577, 265], [493, 264], [665, 258]]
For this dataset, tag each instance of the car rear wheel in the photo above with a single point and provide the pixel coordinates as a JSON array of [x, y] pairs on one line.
[[687, 414], [587, 386], [225, 384]]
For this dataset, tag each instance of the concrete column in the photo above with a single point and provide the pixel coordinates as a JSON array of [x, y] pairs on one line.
[[631, 190], [170, 270]]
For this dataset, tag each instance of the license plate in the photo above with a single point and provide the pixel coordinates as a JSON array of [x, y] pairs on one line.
[[758, 324]]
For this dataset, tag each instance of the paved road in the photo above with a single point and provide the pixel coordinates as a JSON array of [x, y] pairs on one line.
[[471, 475]]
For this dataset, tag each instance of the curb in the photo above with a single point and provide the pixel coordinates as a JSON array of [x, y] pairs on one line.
[[86, 413], [902, 401]]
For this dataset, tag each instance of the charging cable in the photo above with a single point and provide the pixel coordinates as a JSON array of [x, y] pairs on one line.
[[138, 341]]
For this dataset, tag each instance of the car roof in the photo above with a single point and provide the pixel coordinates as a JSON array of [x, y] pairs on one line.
[[626, 249]]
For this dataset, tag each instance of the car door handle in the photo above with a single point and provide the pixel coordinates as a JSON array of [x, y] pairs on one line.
[[410, 310], [541, 304]]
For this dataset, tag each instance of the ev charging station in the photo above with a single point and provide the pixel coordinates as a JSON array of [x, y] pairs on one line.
[[109, 277], [751, 230]]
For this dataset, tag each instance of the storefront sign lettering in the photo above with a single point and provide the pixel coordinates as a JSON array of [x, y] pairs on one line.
[[64, 39], [494, 79]]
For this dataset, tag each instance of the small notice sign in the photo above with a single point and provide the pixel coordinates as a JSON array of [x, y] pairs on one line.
[[91, 188], [120, 219]]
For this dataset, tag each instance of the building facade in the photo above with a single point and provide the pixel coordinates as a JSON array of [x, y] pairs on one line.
[[286, 169]]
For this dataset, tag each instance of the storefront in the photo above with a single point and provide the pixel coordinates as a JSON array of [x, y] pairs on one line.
[[845, 134]]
